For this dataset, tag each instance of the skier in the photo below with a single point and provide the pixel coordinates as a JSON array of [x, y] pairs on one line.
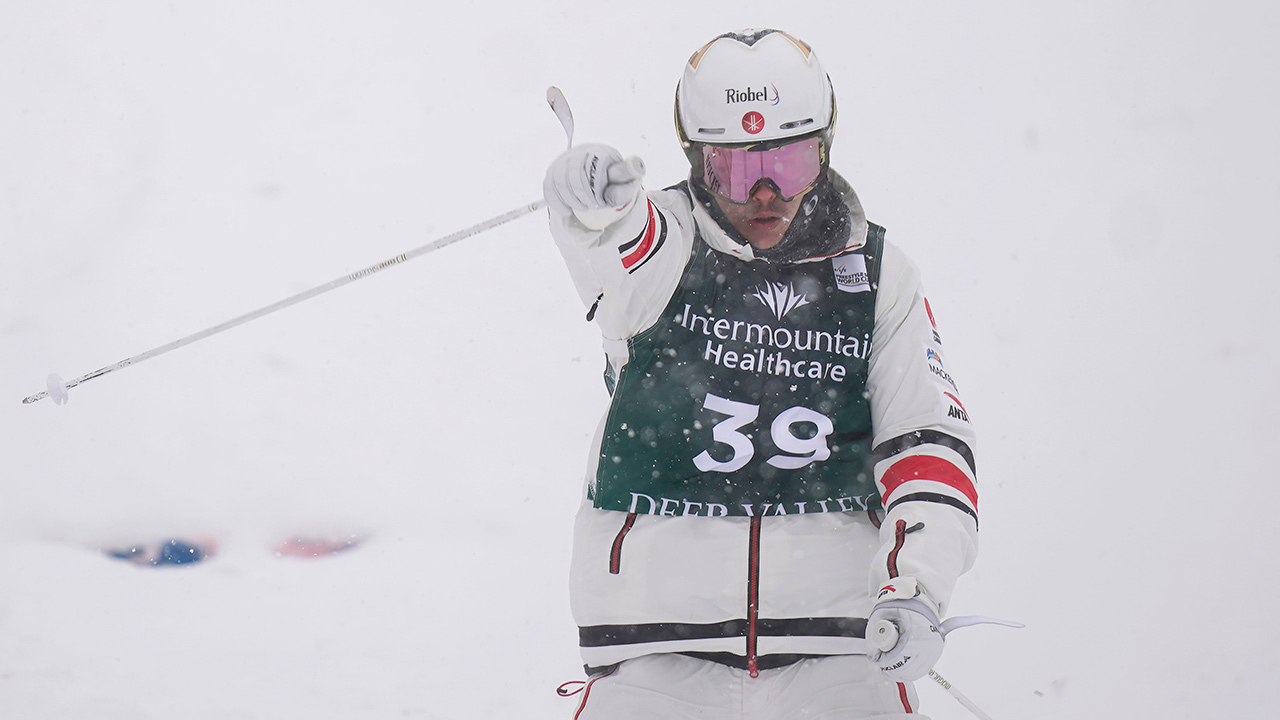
[[785, 462]]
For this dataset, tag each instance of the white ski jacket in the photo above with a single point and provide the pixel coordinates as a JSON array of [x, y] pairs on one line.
[[766, 589]]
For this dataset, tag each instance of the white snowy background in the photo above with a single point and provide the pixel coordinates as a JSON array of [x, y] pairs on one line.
[[1090, 189]]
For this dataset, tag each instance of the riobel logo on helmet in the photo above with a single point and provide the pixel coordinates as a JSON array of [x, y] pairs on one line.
[[732, 95]]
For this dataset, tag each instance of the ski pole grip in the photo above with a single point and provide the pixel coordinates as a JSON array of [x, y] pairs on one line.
[[882, 634], [624, 172]]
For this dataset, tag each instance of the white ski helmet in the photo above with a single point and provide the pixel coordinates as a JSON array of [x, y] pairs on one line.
[[753, 87]]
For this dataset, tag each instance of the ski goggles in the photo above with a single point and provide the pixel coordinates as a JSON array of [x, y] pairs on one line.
[[734, 172]]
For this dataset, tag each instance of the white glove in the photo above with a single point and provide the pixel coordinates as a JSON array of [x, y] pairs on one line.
[[589, 178], [907, 637]]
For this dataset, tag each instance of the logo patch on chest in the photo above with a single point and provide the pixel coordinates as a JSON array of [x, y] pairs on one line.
[[851, 273]]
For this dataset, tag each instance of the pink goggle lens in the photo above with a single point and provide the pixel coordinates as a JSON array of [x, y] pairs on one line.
[[733, 173]]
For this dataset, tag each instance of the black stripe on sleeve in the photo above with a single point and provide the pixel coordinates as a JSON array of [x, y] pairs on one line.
[[657, 243], [902, 443], [935, 498], [625, 247]]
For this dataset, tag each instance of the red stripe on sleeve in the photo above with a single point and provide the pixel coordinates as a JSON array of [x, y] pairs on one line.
[[928, 467], [645, 245]]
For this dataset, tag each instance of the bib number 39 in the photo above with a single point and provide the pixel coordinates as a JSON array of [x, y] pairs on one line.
[[803, 450]]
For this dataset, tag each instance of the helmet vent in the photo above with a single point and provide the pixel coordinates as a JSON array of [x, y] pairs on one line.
[[714, 131], [796, 123]]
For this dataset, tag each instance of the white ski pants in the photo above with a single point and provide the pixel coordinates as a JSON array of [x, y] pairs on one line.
[[676, 687]]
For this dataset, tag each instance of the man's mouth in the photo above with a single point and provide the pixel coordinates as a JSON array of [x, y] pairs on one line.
[[767, 221]]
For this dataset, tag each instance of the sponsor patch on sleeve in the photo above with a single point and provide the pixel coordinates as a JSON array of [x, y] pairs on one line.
[[936, 368], [936, 337], [956, 414]]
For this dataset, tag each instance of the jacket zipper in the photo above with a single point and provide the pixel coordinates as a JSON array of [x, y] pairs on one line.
[[900, 531], [615, 553], [753, 597]]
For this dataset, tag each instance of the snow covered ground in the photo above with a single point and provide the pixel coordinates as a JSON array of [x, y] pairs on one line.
[[1089, 188]]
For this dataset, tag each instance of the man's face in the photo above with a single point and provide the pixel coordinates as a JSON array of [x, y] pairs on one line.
[[764, 218]]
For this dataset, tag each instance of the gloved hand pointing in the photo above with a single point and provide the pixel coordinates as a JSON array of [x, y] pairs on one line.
[[589, 178]]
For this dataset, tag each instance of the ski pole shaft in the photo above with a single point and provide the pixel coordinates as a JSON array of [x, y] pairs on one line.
[[624, 172], [884, 635], [959, 696], [295, 299]]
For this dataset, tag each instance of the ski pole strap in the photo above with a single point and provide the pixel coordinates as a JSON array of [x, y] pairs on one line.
[[962, 621]]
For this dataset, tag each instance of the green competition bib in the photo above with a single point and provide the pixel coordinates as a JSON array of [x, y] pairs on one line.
[[748, 396]]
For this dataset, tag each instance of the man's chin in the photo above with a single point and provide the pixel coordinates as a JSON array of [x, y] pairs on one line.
[[764, 243], [764, 234]]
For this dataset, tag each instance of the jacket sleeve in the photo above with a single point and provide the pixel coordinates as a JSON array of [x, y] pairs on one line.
[[924, 448], [626, 266]]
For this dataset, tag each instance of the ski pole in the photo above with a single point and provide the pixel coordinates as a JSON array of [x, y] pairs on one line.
[[623, 172], [959, 696], [884, 635], [58, 389], [560, 106]]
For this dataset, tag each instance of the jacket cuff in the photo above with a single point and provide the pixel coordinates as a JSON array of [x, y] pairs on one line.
[[601, 218], [901, 590], [916, 606]]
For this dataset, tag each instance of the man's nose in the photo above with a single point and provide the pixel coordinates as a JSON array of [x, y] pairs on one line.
[[764, 192]]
